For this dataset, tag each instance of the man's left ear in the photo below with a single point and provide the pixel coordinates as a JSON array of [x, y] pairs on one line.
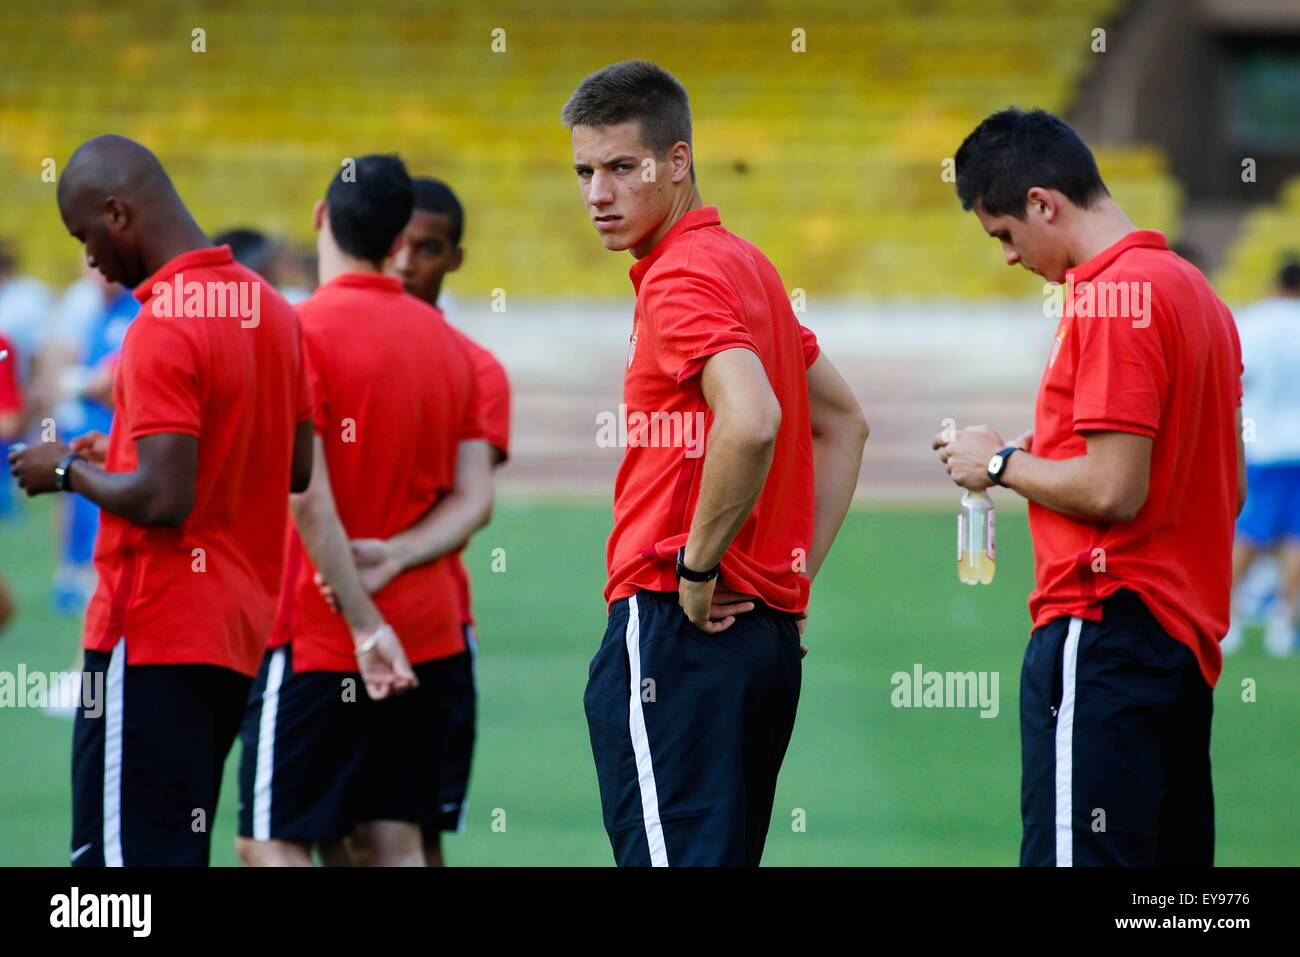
[[318, 214], [457, 258], [1045, 202], [682, 160], [117, 213]]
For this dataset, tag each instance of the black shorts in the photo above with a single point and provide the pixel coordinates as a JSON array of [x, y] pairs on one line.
[[148, 749], [689, 730], [320, 757], [1115, 743], [460, 738]]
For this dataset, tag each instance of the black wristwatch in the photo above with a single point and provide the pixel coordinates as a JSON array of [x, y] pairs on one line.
[[693, 576], [61, 470], [998, 464]]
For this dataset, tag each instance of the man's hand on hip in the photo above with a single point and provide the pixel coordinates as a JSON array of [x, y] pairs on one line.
[[706, 614]]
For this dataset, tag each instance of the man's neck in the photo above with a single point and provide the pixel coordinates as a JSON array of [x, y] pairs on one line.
[[683, 204], [437, 294], [1097, 230], [173, 238], [334, 262]]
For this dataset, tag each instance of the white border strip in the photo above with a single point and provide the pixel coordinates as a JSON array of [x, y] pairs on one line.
[[112, 799], [645, 771], [262, 779], [1065, 748]]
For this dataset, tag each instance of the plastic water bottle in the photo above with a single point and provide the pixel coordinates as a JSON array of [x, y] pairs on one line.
[[976, 531]]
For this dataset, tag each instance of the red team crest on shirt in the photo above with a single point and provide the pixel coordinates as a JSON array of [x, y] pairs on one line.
[[631, 348], [1056, 345]]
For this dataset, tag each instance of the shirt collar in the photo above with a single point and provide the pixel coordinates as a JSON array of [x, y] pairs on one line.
[[366, 280], [695, 219], [207, 256], [1086, 271]]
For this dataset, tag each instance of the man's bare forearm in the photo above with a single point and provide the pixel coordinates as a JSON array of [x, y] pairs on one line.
[[317, 519], [326, 542], [837, 459], [1068, 486], [736, 464], [160, 491], [459, 514], [443, 529], [126, 494]]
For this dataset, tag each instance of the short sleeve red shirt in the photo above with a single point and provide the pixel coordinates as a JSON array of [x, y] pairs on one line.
[[394, 397], [1170, 370], [703, 290], [11, 397], [198, 362], [493, 390]]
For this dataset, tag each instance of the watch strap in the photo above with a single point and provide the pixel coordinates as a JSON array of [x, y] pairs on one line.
[[61, 470], [694, 576], [1003, 454]]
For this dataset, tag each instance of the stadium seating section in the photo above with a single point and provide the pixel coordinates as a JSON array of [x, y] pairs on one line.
[[830, 159], [1268, 233]]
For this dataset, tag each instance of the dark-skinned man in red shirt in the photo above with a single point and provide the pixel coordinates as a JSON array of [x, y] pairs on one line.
[[213, 429]]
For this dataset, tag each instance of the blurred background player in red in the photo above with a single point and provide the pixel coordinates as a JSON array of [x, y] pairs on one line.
[[11, 422], [25, 309], [398, 436], [431, 248]]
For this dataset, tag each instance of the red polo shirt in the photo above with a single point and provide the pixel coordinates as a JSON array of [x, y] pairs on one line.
[[203, 593], [11, 397], [394, 396], [1171, 372], [701, 291], [493, 390]]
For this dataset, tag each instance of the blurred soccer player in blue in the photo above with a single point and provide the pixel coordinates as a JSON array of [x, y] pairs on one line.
[[89, 384], [1270, 345]]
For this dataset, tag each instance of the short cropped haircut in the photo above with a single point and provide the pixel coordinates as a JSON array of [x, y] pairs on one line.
[[1013, 151], [634, 90], [435, 196], [369, 202]]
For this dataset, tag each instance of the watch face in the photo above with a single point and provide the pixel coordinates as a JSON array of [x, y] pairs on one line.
[[995, 464]]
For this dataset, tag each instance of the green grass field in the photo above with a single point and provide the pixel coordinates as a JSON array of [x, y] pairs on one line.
[[875, 784]]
